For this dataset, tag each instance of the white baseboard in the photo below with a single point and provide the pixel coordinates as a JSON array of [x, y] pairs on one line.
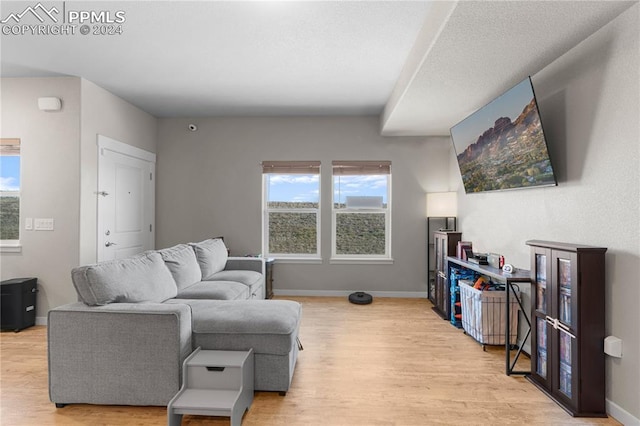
[[345, 293], [41, 320], [620, 414]]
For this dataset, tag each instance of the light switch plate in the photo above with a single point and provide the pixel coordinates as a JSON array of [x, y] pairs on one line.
[[28, 224], [43, 224]]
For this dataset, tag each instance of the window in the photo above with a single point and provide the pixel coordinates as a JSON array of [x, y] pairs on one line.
[[361, 210], [9, 191], [291, 209]]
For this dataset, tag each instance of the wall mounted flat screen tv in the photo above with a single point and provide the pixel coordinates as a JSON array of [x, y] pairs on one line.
[[502, 145]]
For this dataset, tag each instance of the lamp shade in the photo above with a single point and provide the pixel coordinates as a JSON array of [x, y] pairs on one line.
[[442, 204]]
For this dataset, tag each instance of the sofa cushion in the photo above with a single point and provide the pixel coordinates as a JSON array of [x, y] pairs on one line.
[[181, 261], [215, 290], [267, 326], [249, 278], [212, 256], [140, 278]]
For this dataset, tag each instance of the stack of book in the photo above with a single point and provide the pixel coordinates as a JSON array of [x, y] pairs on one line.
[[461, 249]]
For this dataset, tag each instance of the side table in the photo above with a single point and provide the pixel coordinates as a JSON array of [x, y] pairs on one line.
[[268, 279]]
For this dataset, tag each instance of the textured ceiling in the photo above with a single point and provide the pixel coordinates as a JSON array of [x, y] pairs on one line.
[[482, 49], [426, 64], [233, 58]]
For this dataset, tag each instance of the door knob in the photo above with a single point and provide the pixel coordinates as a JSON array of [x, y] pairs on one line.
[[109, 244]]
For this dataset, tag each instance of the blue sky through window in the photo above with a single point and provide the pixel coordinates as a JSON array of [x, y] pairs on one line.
[[359, 185], [9, 172], [293, 188], [306, 188]]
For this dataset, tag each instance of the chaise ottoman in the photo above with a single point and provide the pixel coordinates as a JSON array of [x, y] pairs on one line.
[[269, 327]]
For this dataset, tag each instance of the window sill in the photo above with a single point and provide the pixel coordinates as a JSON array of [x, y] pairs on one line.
[[300, 260], [10, 248], [361, 261]]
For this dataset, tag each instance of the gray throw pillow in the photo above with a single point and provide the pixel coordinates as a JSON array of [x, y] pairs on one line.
[[181, 261], [212, 256], [140, 278]]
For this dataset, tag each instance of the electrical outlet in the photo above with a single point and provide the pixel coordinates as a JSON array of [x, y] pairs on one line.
[[43, 224]]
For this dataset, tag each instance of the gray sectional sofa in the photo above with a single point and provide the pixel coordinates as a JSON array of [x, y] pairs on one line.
[[137, 319]]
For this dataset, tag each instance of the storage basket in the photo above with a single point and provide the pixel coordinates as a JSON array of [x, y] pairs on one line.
[[484, 314]]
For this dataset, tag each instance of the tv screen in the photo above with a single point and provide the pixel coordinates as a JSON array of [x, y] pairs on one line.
[[502, 145]]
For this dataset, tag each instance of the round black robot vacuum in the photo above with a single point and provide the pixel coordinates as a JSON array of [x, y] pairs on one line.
[[360, 298]]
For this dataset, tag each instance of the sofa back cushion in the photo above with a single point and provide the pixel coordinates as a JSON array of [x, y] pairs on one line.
[[140, 278], [212, 256], [183, 265]]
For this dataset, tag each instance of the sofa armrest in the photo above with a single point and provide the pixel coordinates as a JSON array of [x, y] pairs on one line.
[[245, 264], [117, 354]]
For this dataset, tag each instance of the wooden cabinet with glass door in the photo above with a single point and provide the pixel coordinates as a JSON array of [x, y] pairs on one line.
[[567, 351], [435, 224], [445, 245]]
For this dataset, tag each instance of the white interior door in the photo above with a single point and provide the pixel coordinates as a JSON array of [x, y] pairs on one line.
[[126, 188]]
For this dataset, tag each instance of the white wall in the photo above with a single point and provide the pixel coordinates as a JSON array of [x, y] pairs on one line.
[[209, 184], [59, 174], [50, 147], [106, 114], [589, 102]]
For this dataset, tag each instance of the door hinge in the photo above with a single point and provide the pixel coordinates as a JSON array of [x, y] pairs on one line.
[[150, 228], [150, 176]]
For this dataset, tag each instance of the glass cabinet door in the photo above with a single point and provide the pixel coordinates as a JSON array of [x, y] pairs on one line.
[[439, 245], [566, 362], [565, 291], [541, 350], [542, 303], [541, 283], [432, 285], [564, 312]]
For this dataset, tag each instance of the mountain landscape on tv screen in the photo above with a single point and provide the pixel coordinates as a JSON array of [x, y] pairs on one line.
[[511, 154]]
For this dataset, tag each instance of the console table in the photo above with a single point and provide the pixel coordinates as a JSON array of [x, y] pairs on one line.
[[517, 276]]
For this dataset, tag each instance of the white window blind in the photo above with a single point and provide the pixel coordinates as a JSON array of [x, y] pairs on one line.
[[291, 167], [361, 167]]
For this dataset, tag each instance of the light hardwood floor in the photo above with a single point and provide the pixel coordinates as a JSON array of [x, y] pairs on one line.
[[393, 362]]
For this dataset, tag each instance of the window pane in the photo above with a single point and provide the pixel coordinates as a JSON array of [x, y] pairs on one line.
[[293, 233], [9, 217], [10, 199], [293, 191], [360, 233], [9, 173], [373, 186]]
